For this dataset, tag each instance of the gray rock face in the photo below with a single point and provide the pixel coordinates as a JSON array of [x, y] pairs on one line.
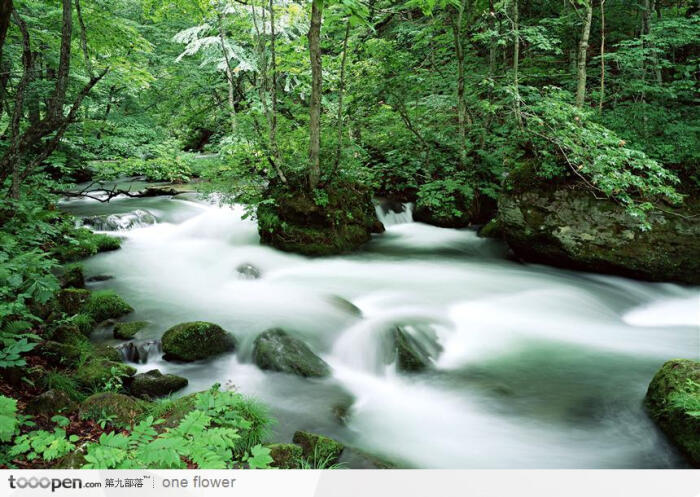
[[248, 272], [275, 350], [569, 227], [118, 222], [154, 384]]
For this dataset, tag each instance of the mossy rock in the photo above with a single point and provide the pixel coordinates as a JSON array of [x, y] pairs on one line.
[[196, 340], [50, 403], [108, 352], [276, 350], [105, 305], [673, 402], [69, 333], [84, 244], [85, 323], [411, 356], [335, 220], [72, 300], [285, 456], [176, 410], [96, 372], [357, 459], [492, 229], [122, 409], [153, 384], [72, 276], [106, 243], [318, 448], [127, 331], [59, 353]]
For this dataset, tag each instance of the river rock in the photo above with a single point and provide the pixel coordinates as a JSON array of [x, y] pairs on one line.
[[566, 226], [285, 456], [154, 384], [71, 300], [126, 331], [411, 354], [117, 222], [103, 305], [72, 276], [96, 372], [673, 402], [248, 272], [196, 340], [99, 278], [276, 350], [340, 220], [319, 450]]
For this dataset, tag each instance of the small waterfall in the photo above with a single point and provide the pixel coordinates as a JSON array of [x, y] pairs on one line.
[[140, 353], [120, 222], [391, 212]]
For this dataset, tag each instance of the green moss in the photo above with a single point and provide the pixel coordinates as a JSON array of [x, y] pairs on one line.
[[52, 402], [196, 340], [285, 456], [85, 323], [121, 410], [106, 304], [106, 243], [126, 331], [69, 333], [156, 384], [72, 276], [72, 300], [57, 353], [97, 372], [673, 401], [492, 229], [318, 448]]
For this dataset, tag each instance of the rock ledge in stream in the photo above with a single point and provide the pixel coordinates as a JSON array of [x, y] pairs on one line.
[[295, 222], [276, 350], [154, 384], [567, 226], [196, 340], [673, 402]]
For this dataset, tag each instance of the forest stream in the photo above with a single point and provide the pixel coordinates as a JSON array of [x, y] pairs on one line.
[[537, 367]]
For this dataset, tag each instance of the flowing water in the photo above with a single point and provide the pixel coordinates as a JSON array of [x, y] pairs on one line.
[[540, 368]]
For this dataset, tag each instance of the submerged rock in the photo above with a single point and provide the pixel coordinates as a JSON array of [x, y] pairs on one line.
[[99, 278], [196, 340], [154, 384], [126, 331], [568, 227], [276, 350], [117, 222], [318, 450], [414, 349], [248, 271], [673, 402], [340, 219]]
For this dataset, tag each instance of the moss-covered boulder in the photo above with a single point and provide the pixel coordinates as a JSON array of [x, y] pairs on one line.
[[105, 305], [50, 403], [68, 332], [285, 456], [59, 353], [673, 402], [565, 225], [318, 448], [84, 244], [120, 409], [335, 220], [72, 300], [195, 341], [127, 331], [97, 372], [85, 323], [461, 213], [276, 350], [106, 243], [107, 352], [72, 276], [153, 384], [492, 229]]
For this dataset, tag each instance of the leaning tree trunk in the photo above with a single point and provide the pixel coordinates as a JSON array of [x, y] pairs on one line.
[[315, 100], [229, 72], [582, 56]]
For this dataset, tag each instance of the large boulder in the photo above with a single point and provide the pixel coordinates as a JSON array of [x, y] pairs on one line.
[[154, 384], [121, 410], [196, 340], [566, 226], [50, 403], [276, 350], [335, 220], [673, 402]]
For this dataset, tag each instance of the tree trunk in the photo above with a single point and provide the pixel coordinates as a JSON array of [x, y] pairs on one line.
[[315, 100], [582, 55], [492, 43], [229, 72], [341, 94], [6, 8], [461, 103]]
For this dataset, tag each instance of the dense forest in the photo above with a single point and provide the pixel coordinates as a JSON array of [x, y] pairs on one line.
[[563, 132]]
